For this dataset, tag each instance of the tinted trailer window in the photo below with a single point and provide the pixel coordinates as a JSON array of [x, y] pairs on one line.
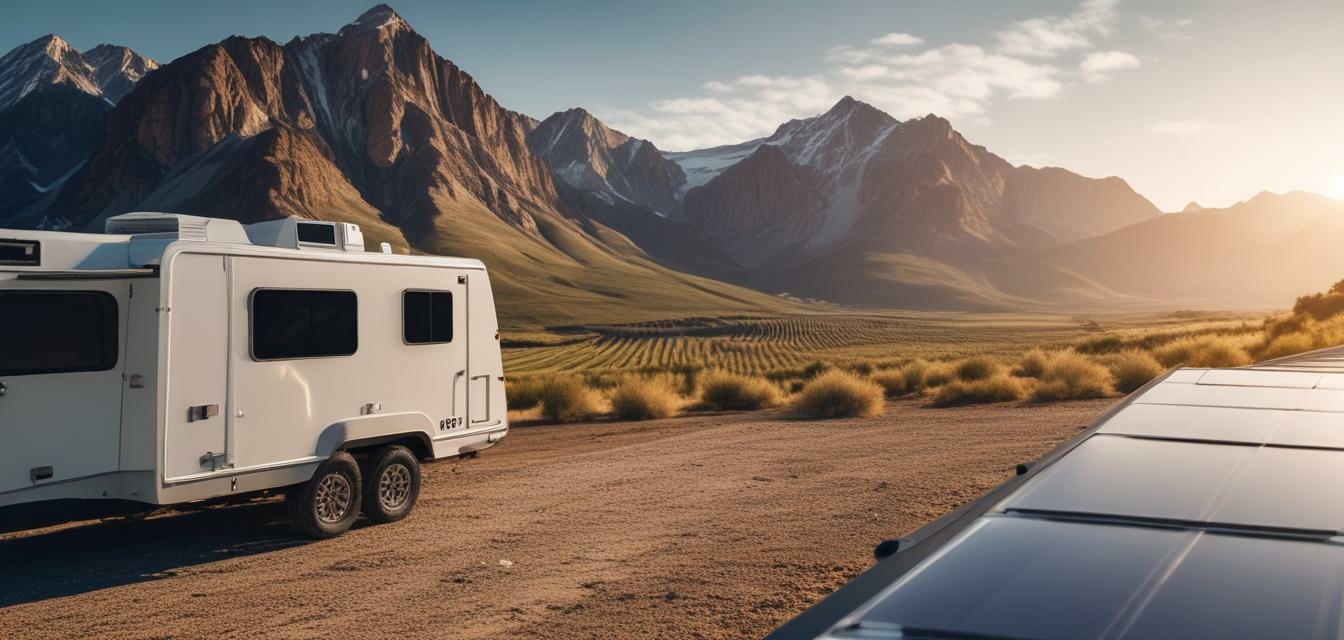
[[57, 332], [296, 323]]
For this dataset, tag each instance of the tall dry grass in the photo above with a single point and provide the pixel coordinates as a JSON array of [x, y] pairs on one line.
[[1132, 369], [999, 387], [839, 394], [977, 368], [1070, 375], [725, 391], [1205, 351], [568, 399], [645, 398]]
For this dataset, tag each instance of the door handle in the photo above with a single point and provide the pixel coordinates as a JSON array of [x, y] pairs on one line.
[[3, 388]]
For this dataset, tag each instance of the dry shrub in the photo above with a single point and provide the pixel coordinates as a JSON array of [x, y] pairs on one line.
[[522, 394], [1069, 376], [839, 394], [1032, 364], [914, 372], [977, 368], [937, 374], [1204, 351], [1287, 344], [892, 382], [645, 398], [732, 392], [567, 399], [996, 388], [862, 367], [1132, 369]]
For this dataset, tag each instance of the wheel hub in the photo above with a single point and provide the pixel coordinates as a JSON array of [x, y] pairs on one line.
[[394, 486], [333, 498]]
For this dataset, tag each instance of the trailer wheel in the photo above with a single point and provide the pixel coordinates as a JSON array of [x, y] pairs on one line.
[[327, 505], [393, 486]]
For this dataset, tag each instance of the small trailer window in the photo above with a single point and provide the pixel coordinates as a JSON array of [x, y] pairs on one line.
[[427, 316], [57, 332], [301, 323]]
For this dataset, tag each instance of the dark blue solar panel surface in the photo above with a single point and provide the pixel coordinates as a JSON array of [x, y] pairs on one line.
[[1209, 506]]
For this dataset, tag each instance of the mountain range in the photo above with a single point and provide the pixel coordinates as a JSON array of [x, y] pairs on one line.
[[581, 222]]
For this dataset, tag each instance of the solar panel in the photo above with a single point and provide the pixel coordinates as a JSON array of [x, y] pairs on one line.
[[1190, 422], [1209, 505], [1229, 485], [1025, 578]]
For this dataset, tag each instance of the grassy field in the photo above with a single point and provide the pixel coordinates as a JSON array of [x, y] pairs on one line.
[[760, 345]]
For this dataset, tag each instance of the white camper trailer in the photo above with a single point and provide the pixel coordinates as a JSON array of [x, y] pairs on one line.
[[178, 358]]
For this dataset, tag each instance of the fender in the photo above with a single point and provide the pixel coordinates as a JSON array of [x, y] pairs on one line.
[[368, 430]]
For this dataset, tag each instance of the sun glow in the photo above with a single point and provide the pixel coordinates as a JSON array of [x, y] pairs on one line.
[[1336, 188]]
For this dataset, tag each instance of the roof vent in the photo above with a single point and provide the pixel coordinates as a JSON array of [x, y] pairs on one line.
[[298, 233], [185, 227]]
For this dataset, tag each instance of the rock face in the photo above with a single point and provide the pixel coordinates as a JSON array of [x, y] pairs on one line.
[[53, 102], [368, 125], [370, 117], [588, 155]]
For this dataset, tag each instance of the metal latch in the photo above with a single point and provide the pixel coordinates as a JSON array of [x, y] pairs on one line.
[[213, 460], [202, 412], [40, 473]]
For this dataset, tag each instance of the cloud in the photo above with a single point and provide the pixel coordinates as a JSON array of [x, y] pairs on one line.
[[1048, 37], [1182, 127], [960, 81], [1098, 66], [895, 39], [1170, 28]]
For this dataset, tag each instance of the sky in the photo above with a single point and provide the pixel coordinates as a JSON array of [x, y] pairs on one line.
[[1208, 101]]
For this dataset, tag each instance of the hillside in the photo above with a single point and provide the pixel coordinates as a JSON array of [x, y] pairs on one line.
[[1258, 253]]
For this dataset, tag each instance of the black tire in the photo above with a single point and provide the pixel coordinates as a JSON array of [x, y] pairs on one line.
[[329, 504], [393, 485]]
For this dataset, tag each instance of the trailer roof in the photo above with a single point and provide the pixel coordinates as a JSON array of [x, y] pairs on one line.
[[1209, 504]]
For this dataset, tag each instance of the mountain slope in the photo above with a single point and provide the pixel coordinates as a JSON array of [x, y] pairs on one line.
[[1259, 253], [588, 155], [855, 206], [370, 126], [53, 103]]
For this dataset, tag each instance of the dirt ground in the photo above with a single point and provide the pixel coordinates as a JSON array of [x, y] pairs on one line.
[[705, 527]]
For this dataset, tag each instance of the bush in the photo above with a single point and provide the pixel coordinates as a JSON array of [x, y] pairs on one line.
[[996, 388], [1321, 305], [732, 392], [1032, 364], [1287, 344], [838, 394], [566, 399], [914, 372], [522, 394], [862, 368], [815, 369], [977, 368], [1205, 351], [1133, 369], [893, 383], [937, 374], [645, 398], [1070, 376]]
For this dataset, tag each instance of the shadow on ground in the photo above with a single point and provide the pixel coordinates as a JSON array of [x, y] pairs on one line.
[[96, 556]]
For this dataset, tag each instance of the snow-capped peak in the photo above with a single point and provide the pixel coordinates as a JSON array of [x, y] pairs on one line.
[[379, 17], [109, 71]]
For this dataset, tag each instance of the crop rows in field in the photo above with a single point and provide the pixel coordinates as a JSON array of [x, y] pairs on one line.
[[756, 345]]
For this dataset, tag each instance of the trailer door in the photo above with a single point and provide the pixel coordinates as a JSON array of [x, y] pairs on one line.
[[198, 346], [60, 382]]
